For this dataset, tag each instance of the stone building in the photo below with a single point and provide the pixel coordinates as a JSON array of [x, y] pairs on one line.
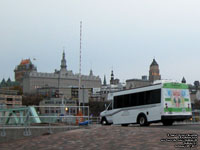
[[60, 79], [134, 83], [154, 72]]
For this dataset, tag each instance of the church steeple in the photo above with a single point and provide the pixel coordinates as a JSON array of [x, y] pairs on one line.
[[91, 72], [104, 81], [63, 62], [112, 78]]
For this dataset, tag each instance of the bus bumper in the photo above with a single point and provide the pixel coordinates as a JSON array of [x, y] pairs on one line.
[[176, 118]]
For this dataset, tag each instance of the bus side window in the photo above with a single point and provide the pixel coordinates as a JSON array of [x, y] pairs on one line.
[[141, 98], [148, 99], [126, 100]]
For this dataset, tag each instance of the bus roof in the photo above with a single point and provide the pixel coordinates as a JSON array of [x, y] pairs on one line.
[[165, 84], [138, 87]]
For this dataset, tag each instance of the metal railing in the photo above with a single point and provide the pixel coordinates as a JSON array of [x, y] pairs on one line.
[[95, 120], [43, 117]]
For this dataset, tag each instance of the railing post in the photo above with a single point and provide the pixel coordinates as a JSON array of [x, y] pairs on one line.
[[88, 114], [49, 129], [3, 132], [27, 131]]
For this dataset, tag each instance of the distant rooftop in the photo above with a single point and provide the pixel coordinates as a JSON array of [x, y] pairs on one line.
[[9, 92], [137, 80], [154, 63], [25, 61]]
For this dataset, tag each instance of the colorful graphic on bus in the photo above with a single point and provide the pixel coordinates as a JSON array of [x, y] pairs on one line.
[[177, 98]]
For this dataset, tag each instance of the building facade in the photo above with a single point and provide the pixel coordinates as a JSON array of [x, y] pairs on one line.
[[10, 98], [134, 83], [53, 102], [61, 79]]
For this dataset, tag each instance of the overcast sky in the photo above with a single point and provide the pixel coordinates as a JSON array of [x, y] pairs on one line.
[[121, 34]]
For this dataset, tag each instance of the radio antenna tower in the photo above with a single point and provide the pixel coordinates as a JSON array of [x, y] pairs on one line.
[[79, 87]]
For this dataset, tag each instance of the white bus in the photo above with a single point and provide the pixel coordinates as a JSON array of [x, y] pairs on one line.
[[165, 102]]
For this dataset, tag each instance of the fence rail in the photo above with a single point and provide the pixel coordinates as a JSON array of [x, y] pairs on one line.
[[44, 114], [48, 117]]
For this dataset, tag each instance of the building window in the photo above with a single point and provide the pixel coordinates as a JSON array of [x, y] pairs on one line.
[[9, 99], [1, 98]]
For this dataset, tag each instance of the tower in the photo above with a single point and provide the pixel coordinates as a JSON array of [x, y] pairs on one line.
[[91, 72], [63, 65], [104, 81], [154, 72], [22, 69], [112, 78]]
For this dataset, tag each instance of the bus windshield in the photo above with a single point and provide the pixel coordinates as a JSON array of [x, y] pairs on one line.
[[109, 106]]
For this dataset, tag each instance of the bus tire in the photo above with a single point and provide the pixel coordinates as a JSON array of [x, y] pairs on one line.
[[142, 120], [104, 121]]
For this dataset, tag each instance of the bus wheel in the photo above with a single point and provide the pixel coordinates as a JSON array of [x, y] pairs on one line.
[[143, 120], [104, 121]]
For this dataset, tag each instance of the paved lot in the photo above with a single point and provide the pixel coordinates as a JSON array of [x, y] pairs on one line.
[[97, 137], [178, 126]]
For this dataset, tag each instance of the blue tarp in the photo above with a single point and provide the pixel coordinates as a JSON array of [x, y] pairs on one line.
[[85, 122]]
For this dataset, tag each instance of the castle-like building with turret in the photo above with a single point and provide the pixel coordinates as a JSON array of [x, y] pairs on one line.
[[62, 79]]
